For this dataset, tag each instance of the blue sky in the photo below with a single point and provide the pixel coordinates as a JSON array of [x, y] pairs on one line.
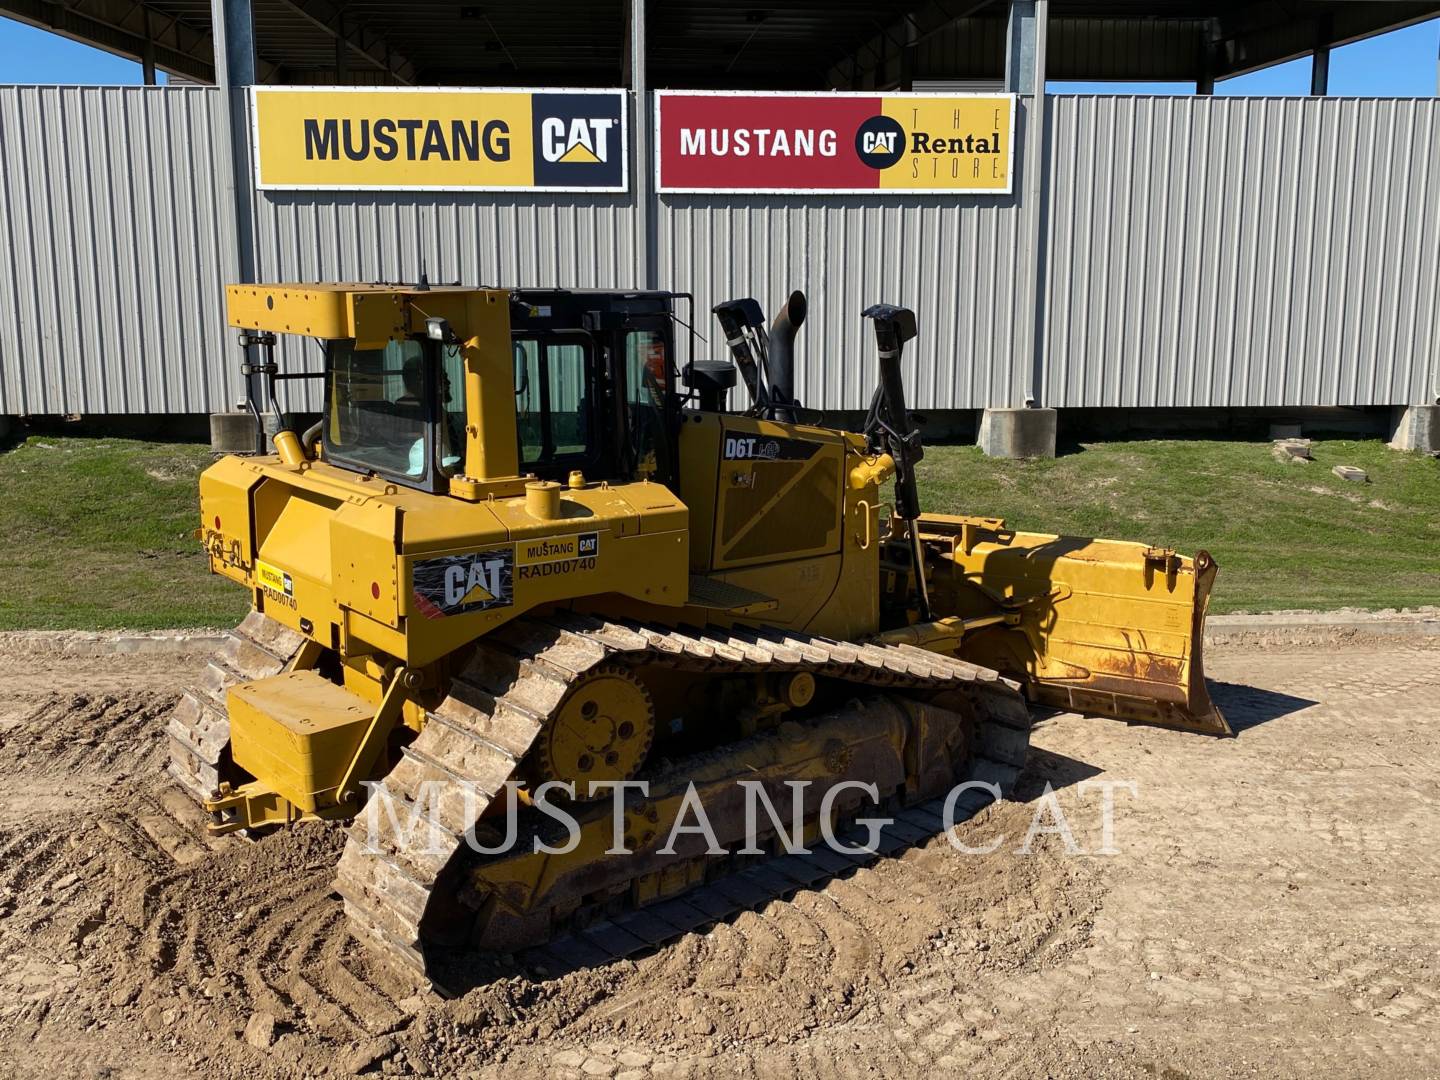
[[1399, 64], [29, 55]]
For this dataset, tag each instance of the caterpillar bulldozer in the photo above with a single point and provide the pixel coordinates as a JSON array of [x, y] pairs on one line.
[[525, 560]]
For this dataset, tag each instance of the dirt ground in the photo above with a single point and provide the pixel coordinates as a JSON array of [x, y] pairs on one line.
[[1271, 910]]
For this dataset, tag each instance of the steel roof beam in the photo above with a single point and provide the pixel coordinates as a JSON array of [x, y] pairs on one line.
[[1268, 34], [924, 21], [1251, 36], [325, 16], [118, 27]]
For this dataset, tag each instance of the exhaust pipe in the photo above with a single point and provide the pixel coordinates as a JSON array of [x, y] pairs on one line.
[[781, 355]]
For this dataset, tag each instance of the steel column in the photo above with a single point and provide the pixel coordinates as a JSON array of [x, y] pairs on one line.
[[1209, 60], [147, 54], [646, 220], [1320, 72], [234, 36], [1032, 59], [233, 30], [1020, 43], [1320, 58]]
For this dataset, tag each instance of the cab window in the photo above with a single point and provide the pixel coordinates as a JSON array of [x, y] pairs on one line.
[[646, 363], [451, 392], [554, 405], [377, 408]]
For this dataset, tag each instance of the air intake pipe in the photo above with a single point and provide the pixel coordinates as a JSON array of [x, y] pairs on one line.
[[781, 355]]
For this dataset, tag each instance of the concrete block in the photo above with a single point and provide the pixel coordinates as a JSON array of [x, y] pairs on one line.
[[1284, 431], [1350, 472], [1017, 433], [232, 433], [1415, 427], [1292, 450]]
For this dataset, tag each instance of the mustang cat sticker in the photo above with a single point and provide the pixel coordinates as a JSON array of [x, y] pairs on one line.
[[558, 555], [277, 584], [455, 584], [559, 548], [272, 577]]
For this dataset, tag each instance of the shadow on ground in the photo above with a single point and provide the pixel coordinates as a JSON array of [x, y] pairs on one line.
[[1247, 707], [1042, 767]]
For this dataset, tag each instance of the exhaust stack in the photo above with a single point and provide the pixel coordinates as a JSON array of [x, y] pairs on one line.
[[781, 355]]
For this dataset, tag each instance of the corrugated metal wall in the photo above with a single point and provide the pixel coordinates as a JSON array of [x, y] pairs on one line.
[[1212, 251], [114, 228], [1197, 251]]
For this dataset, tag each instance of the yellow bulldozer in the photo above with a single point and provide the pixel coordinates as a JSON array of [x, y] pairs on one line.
[[525, 563]]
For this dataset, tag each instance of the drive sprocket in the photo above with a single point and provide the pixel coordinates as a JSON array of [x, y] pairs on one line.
[[601, 731]]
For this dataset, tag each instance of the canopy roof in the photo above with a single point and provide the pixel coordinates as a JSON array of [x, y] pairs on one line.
[[811, 44]]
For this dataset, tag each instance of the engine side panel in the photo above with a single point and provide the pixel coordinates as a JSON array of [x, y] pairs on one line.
[[362, 566]]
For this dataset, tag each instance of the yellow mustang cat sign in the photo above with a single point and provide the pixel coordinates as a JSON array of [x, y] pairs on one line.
[[322, 138]]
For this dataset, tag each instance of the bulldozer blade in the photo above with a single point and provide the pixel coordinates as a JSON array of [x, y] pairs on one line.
[[1095, 626]]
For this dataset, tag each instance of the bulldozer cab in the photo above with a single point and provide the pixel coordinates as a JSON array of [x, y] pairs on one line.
[[425, 385]]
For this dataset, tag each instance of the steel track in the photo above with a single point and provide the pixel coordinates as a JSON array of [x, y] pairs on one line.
[[500, 703]]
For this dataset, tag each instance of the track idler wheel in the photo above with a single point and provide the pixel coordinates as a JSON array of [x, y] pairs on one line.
[[601, 731]]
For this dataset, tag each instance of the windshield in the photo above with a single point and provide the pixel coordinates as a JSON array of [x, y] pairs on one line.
[[378, 415]]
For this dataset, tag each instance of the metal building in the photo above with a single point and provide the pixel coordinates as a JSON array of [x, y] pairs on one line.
[[1155, 252]]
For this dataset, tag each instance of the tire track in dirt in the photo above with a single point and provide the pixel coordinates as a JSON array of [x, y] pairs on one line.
[[108, 904], [184, 940], [165, 945]]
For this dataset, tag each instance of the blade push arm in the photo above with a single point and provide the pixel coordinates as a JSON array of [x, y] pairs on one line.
[[891, 427], [743, 324]]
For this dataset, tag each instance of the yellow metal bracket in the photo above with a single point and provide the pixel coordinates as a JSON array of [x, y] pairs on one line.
[[255, 806], [373, 741], [309, 655]]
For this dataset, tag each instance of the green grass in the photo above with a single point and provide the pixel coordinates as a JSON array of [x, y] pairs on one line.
[[1284, 535], [98, 534]]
